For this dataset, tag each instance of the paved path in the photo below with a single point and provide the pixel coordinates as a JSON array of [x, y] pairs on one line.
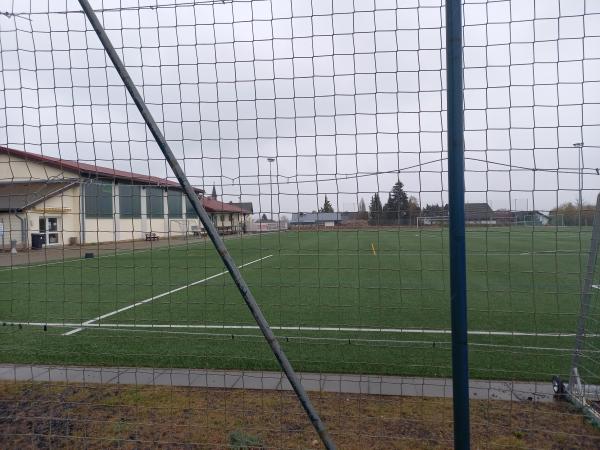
[[232, 379], [57, 254]]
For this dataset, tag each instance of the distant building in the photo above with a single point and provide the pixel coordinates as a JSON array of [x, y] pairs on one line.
[[479, 213], [58, 202], [316, 219], [246, 206]]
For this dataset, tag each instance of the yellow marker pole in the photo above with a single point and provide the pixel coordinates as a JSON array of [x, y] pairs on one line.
[[373, 248]]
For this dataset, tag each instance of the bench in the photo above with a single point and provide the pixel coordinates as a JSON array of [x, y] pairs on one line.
[[152, 236], [197, 231]]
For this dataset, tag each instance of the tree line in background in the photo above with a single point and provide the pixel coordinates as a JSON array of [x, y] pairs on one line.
[[568, 214], [399, 209]]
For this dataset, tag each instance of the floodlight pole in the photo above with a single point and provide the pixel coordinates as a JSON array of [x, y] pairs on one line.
[[210, 229], [271, 184], [579, 145], [456, 202]]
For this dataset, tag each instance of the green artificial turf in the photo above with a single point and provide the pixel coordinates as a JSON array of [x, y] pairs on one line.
[[520, 279]]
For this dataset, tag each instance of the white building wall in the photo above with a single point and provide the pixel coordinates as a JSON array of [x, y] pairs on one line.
[[64, 206], [18, 169]]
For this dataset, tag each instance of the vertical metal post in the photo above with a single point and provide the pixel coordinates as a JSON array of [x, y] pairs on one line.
[[456, 202], [271, 183], [210, 228], [586, 289], [579, 145]]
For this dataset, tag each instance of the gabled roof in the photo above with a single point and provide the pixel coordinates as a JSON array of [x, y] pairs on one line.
[[248, 206], [91, 170], [213, 205], [478, 211], [15, 197]]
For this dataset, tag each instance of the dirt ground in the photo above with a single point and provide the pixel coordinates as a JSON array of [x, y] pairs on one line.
[[58, 415], [69, 252]]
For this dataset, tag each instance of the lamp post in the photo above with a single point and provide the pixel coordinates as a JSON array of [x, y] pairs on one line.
[[271, 160], [579, 145]]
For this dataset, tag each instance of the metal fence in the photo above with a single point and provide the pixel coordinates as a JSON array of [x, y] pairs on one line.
[[254, 224]]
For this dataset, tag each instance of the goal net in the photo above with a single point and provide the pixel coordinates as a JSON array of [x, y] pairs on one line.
[[432, 221]]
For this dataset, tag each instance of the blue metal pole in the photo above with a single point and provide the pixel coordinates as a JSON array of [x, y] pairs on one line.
[[456, 201]]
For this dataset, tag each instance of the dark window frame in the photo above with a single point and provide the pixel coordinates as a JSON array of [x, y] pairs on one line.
[[189, 209], [174, 197], [98, 198], [158, 211], [131, 208]]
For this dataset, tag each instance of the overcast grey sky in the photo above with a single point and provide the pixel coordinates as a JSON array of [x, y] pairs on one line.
[[347, 95]]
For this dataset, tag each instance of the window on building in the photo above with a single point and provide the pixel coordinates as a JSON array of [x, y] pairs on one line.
[[189, 210], [174, 203], [155, 206], [98, 199], [130, 201]]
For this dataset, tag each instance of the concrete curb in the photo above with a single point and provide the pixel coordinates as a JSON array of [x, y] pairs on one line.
[[257, 380]]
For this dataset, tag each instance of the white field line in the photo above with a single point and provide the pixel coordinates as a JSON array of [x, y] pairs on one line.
[[148, 300], [422, 331], [120, 327], [429, 253], [596, 286]]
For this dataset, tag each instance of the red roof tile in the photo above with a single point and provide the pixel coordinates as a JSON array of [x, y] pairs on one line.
[[212, 205], [85, 169]]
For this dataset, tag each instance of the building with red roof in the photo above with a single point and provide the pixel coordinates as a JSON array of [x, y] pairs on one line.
[[57, 202]]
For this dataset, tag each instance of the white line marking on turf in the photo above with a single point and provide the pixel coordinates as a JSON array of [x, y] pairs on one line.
[[90, 324], [596, 286], [148, 300]]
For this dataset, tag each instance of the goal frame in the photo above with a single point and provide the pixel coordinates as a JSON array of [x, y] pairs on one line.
[[583, 395]]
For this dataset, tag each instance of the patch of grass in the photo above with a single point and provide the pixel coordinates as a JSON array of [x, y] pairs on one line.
[[85, 416], [239, 440], [520, 280]]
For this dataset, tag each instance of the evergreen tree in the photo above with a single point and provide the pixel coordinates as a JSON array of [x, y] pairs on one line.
[[362, 210], [214, 192], [414, 210], [435, 210], [327, 208], [375, 210], [396, 209]]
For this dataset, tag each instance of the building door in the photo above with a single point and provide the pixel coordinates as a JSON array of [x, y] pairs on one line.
[[49, 228]]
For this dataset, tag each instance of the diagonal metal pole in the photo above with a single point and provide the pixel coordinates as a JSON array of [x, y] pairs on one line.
[[456, 201], [210, 229]]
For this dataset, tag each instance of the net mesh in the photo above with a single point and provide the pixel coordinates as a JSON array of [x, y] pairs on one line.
[[315, 135]]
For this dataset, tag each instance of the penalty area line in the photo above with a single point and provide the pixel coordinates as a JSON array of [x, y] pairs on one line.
[[90, 322]]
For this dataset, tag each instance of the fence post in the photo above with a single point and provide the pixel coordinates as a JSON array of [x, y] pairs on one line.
[[456, 202]]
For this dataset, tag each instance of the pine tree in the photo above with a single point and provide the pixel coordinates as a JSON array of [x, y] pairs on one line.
[[375, 210], [362, 210], [396, 208], [327, 208]]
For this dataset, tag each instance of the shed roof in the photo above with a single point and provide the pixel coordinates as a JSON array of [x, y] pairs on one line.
[[15, 197]]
